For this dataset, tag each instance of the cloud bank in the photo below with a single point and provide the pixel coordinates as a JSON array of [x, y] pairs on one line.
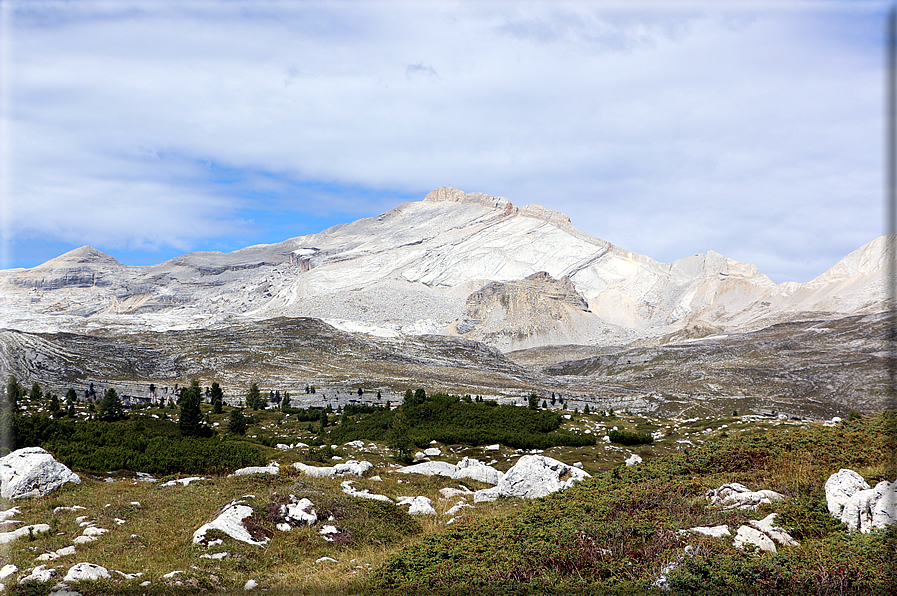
[[148, 129]]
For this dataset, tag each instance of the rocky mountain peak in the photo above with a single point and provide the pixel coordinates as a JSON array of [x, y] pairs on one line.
[[85, 255], [448, 194]]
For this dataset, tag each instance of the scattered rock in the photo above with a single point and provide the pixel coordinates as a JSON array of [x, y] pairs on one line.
[[272, 468], [230, 521], [83, 539], [449, 493], [872, 508], [458, 507], [8, 570], [39, 574], [738, 496], [633, 460], [32, 472], [6, 537], [183, 481], [62, 552], [840, 486], [432, 452], [777, 533], [418, 505], [362, 494], [326, 560], [748, 535], [495, 447], [86, 572], [56, 511], [171, 574], [712, 531], [215, 556], [476, 470], [430, 468], [533, 476], [250, 584], [295, 513], [93, 531], [327, 531], [353, 467]]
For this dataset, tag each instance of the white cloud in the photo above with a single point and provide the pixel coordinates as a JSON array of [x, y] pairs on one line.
[[756, 134]]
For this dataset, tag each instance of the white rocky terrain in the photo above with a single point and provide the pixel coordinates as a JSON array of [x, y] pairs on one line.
[[455, 264]]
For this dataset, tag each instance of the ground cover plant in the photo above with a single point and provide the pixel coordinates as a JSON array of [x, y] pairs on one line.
[[616, 532]]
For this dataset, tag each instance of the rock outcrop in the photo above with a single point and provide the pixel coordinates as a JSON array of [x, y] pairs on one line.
[[533, 476], [230, 521], [32, 472], [738, 496]]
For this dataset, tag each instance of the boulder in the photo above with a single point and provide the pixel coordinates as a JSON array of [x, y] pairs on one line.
[[39, 574], [748, 535], [738, 496], [230, 521], [633, 460], [6, 537], [417, 505], [712, 531], [533, 476], [32, 472], [182, 481], [430, 468], [432, 452], [476, 470], [350, 467], [296, 513], [272, 468], [86, 572], [872, 508], [839, 487], [777, 533]]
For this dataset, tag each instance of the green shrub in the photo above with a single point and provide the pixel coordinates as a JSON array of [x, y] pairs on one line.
[[624, 437]]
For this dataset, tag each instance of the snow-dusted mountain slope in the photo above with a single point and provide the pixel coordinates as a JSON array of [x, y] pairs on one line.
[[454, 263]]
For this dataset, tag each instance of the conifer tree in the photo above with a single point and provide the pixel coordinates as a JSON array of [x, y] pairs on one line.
[[237, 422], [54, 406], [13, 392], [111, 408], [216, 395], [36, 393], [190, 422], [254, 398]]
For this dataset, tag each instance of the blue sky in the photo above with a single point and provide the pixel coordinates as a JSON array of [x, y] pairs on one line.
[[150, 129]]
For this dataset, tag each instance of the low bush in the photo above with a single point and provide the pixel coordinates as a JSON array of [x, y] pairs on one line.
[[625, 437]]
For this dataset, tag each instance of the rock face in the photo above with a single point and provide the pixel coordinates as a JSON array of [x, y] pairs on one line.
[[454, 263], [533, 476], [32, 472]]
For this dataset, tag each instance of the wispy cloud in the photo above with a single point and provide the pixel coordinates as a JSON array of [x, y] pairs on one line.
[[754, 132]]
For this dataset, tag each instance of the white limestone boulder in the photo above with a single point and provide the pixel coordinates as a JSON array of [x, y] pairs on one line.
[[533, 476], [7, 537], [86, 572], [362, 494], [296, 513], [351, 467], [738, 496], [748, 535], [417, 505], [777, 533], [32, 472], [633, 460], [230, 522], [41, 574], [272, 468], [474, 469], [839, 487], [432, 452], [712, 531], [430, 468], [871, 508]]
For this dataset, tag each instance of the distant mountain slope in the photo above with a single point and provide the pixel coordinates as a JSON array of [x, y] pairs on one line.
[[432, 267]]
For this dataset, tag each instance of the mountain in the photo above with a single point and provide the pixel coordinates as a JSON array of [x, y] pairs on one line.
[[471, 265]]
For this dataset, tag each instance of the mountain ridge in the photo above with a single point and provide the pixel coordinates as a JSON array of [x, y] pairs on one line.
[[414, 268]]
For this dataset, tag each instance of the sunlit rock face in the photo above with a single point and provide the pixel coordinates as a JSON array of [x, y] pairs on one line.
[[454, 263]]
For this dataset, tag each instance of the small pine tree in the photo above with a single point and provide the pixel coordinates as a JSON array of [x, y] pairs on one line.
[[533, 401], [409, 396], [237, 422], [216, 395], [285, 402], [111, 408], [420, 396], [586, 410], [54, 406], [254, 397], [312, 389], [36, 393], [360, 392], [13, 392], [544, 404], [190, 422]]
